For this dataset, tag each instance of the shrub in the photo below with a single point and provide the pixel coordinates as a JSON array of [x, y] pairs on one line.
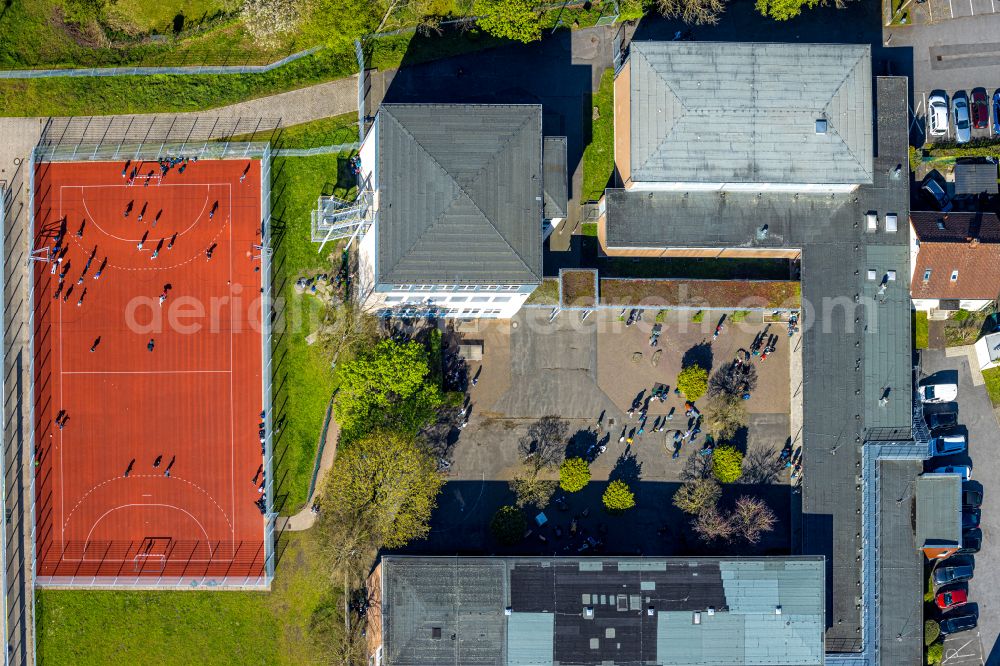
[[508, 525], [693, 382], [695, 496], [574, 474], [618, 496], [698, 317], [961, 316], [661, 315], [931, 631], [935, 653], [739, 315], [727, 464]]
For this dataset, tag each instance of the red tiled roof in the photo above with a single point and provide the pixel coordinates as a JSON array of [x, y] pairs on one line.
[[958, 227], [978, 266]]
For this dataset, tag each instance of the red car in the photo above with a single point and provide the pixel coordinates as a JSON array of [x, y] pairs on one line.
[[980, 109], [953, 597]]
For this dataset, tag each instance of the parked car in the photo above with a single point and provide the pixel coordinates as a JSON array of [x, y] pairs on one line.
[[960, 110], [971, 498], [937, 115], [953, 570], [938, 392], [948, 444], [952, 596], [960, 620], [964, 470], [996, 112], [941, 420], [972, 541], [980, 112], [971, 518], [936, 193]]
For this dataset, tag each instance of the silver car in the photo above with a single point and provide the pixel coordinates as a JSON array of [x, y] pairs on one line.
[[937, 115], [960, 109]]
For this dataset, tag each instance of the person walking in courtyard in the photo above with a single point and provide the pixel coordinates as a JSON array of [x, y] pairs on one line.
[[150, 344]]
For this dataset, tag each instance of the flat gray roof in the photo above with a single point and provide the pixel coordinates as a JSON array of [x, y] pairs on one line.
[[460, 194], [716, 112], [438, 611], [939, 510], [976, 178], [900, 566]]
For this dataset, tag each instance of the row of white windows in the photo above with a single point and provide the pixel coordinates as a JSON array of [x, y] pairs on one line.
[[455, 287], [447, 299], [438, 312]]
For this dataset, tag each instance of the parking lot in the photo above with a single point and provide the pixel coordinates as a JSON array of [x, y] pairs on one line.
[[975, 413], [949, 97], [949, 54]]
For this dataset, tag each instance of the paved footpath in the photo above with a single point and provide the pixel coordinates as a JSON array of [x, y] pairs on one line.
[[296, 106]]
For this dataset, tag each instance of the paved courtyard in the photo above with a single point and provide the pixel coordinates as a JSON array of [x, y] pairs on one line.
[[590, 372]]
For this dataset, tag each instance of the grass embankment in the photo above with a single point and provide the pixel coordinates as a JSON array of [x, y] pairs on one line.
[[195, 627], [920, 330], [992, 377], [598, 156], [64, 96], [303, 379], [332, 131]]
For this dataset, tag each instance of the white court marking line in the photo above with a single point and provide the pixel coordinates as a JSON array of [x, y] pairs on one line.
[[93, 218], [171, 506], [163, 266], [952, 9], [145, 372], [148, 476], [971, 8], [232, 404], [993, 6]]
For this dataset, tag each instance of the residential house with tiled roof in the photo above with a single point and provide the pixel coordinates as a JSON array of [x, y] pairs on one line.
[[955, 259]]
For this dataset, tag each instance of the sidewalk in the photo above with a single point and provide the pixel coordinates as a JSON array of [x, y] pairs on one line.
[[305, 518]]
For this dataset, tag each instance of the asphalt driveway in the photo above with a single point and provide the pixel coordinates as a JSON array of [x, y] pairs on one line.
[[976, 413]]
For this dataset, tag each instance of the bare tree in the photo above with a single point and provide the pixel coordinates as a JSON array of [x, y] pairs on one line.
[[697, 496], [761, 465], [724, 416], [530, 490], [344, 329], [733, 379], [752, 518], [544, 445], [712, 524], [694, 12], [697, 467]]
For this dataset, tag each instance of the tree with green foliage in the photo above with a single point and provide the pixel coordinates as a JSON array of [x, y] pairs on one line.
[[574, 474], [782, 10], [508, 525], [693, 382], [727, 464], [512, 19], [618, 497], [935, 653], [381, 491], [390, 387], [931, 631], [696, 495], [725, 415], [693, 12], [531, 490]]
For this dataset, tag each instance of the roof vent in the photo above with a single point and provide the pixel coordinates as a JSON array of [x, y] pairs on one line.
[[940, 224], [507, 610], [651, 611], [436, 633], [777, 610], [821, 126], [696, 619], [588, 612]]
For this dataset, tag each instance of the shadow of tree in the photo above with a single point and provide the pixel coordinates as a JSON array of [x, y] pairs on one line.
[[701, 354], [581, 442], [761, 465], [627, 468]]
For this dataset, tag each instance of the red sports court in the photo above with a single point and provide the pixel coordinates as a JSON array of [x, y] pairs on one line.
[[148, 354]]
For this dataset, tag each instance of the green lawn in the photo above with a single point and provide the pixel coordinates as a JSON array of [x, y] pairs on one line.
[[187, 627], [992, 377], [164, 93], [331, 131], [598, 156], [920, 330], [159, 17], [303, 379]]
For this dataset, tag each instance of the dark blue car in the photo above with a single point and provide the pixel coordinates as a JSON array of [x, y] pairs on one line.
[[996, 113]]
